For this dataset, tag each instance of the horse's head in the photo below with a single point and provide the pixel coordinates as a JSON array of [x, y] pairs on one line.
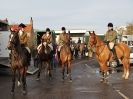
[[13, 39], [92, 39]]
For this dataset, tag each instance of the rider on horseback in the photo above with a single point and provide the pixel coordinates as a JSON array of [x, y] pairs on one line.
[[47, 40], [110, 39], [64, 38], [24, 40]]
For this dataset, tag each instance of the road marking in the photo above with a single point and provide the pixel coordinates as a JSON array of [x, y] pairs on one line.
[[90, 91], [91, 69], [77, 63], [121, 94]]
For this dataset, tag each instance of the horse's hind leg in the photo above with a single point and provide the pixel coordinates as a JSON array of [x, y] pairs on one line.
[[125, 62], [13, 81]]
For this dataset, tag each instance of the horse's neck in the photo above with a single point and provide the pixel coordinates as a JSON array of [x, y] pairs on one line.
[[99, 45], [99, 42]]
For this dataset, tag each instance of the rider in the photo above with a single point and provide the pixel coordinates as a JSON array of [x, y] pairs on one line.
[[64, 38], [47, 39], [24, 40], [110, 39], [79, 41]]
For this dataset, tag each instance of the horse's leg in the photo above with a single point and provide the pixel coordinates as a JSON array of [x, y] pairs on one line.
[[24, 80], [39, 71], [19, 76], [69, 70], [104, 70], [126, 64], [13, 81], [124, 68], [49, 70], [63, 70]]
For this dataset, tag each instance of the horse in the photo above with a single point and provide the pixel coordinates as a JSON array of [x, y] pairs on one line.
[[103, 55], [19, 61], [82, 49], [43, 56], [65, 58]]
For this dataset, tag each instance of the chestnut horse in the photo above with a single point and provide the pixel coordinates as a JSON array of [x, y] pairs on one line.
[[43, 56], [103, 55], [65, 58], [19, 60]]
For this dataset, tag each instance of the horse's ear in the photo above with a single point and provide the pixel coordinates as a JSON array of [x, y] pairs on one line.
[[93, 32], [89, 32]]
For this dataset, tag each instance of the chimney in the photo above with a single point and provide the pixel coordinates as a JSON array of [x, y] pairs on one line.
[[31, 21]]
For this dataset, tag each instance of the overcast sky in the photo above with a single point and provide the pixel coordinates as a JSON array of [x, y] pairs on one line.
[[73, 14]]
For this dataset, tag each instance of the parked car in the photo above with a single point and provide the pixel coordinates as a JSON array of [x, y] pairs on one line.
[[131, 55]]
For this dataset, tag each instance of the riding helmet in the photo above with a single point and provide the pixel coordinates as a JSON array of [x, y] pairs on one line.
[[63, 28], [22, 25], [110, 25], [47, 30]]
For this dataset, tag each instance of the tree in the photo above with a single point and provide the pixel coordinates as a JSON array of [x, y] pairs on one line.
[[130, 29]]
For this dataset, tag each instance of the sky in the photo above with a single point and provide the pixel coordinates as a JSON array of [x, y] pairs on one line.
[[73, 14]]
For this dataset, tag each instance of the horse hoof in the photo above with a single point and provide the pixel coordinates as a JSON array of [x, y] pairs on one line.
[[70, 80], [12, 93], [24, 92], [67, 75], [19, 83], [37, 79]]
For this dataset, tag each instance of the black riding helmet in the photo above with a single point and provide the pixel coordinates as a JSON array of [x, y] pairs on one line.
[[63, 28], [22, 25], [48, 30], [110, 25]]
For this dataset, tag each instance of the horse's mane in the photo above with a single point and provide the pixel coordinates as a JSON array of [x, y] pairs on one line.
[[99, 41]]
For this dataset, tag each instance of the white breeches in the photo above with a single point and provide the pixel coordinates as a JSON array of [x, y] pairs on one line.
[[111, 45], [59, 48], [39, 46], [28, 49]]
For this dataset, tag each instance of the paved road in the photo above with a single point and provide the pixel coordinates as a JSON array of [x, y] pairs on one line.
[[85, 85]]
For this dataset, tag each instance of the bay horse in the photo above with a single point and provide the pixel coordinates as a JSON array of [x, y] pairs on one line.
[[65, 58], [103, 55], [19, 61], [43, 56]]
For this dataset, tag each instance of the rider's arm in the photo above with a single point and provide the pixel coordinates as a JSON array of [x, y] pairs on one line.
[[105, 37]]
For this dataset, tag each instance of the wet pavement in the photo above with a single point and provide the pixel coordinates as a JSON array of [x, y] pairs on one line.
[[85, 84]]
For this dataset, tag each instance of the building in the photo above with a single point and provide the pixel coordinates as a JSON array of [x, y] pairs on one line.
[[4, 36], [4, 25], [74, 34], [30, 31]]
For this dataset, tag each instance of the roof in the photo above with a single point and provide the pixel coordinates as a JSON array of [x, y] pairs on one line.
[[28, 27], [72, 31], [4, 21]]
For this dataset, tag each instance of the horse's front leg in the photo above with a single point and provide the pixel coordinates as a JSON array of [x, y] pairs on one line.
[[69, 71], [63, 71], [39, 71], [13, 81], [49, 70], [19, 76], [104, 72], [24, 80]]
